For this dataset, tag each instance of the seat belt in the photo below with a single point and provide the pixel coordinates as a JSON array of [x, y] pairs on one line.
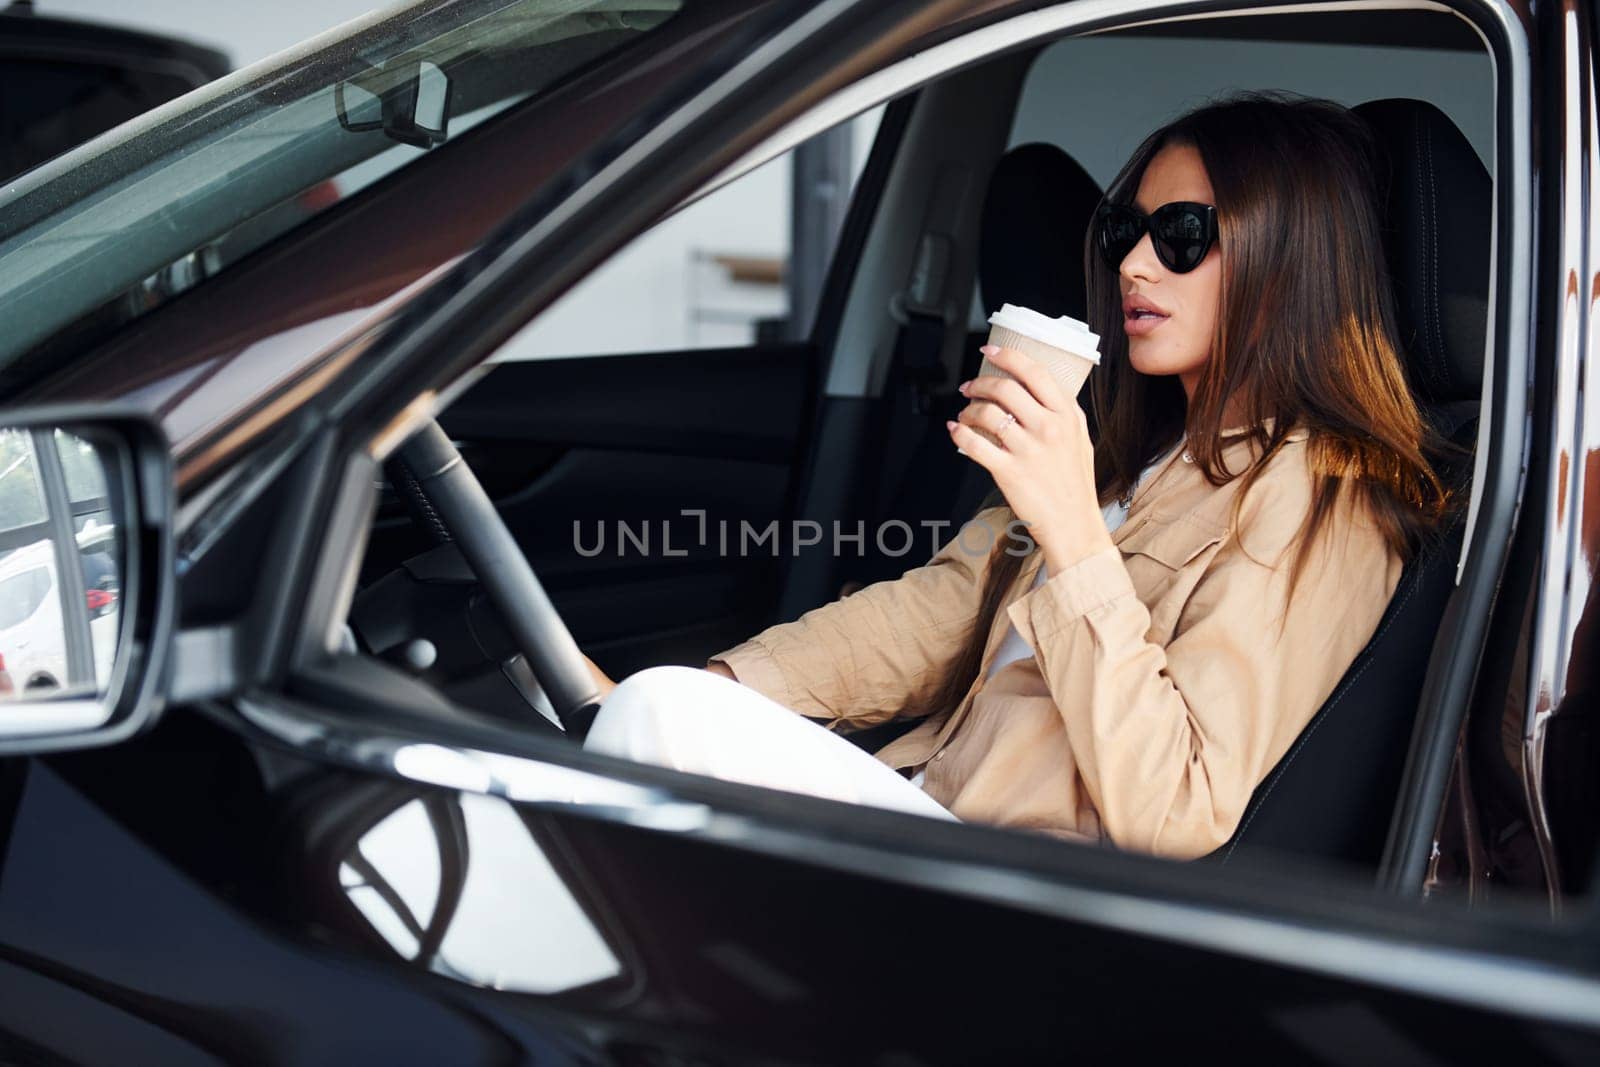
[[926, 308], [927, 311]]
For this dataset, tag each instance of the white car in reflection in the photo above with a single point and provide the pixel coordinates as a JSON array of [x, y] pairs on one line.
[[32, 630]]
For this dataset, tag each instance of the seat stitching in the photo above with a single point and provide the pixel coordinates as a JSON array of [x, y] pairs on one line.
[[1422, 332], [1424, 322], [1327, 710], [1433, 289]]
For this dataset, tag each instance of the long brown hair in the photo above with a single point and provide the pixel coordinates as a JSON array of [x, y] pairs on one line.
[[1295, 187]]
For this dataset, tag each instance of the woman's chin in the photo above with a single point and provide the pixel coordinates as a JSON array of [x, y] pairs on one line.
[[1157, 363]]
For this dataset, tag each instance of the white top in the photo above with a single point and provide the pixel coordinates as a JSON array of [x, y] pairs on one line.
[[1012, 647], [1065, 332]]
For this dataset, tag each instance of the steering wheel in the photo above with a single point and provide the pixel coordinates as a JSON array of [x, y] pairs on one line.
[[436, 471]]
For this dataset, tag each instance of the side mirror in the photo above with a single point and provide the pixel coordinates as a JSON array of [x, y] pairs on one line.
[[86, 576], [408, 99]]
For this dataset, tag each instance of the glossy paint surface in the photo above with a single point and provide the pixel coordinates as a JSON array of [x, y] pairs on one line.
[[366, 914]]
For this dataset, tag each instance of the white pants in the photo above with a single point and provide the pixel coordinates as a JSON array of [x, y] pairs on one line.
[[702, 723]]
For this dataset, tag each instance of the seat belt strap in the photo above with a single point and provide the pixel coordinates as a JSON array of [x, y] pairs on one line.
[[925, 308]]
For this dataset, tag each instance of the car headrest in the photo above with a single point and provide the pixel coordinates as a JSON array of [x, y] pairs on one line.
[[1035, 215], [1437, 211]]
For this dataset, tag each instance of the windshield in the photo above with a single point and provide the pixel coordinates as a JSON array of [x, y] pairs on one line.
[[130, 219]]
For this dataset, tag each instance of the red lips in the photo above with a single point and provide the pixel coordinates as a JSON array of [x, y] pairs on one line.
[[1133, 302], [1140, 315]]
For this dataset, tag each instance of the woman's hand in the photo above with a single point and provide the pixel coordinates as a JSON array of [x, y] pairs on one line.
[[1044, 463], [600, 679]]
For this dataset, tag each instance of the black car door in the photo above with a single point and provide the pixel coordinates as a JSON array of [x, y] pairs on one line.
[[591, 462]]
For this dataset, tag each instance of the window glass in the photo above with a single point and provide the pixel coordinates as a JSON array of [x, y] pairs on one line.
[[22, 594], [711, 275], [49, 105], [32, 642], [1111, 113], [46, 641], [99, 547], [153, 207], [21, 499], [84, 470]]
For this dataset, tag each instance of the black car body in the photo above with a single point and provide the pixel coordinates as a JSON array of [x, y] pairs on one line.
[[240, 881]]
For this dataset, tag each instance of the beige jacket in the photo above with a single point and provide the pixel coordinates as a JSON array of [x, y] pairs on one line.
[[1168, 677]]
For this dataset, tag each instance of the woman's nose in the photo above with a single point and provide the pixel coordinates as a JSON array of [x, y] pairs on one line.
[[1141, 264]]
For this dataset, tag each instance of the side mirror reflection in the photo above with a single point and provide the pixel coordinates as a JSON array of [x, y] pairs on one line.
[[83, 537], [60, 565], [459, 885]]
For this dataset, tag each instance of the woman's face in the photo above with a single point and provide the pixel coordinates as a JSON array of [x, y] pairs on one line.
[[1178, 339]]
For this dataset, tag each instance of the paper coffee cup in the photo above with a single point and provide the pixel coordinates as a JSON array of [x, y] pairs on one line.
[[1068, 349]]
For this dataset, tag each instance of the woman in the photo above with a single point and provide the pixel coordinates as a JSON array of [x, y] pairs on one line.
[[1124, 649]]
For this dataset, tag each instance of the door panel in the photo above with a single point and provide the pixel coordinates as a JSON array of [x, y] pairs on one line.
[[734, 935], [593, 462]]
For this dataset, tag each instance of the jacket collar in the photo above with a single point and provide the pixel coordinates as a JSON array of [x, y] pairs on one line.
[[1189, 508], [1178, 492], [1178, 489]]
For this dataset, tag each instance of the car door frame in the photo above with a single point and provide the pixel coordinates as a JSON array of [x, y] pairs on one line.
[[1556, 548], [532, 269], [550, 242]]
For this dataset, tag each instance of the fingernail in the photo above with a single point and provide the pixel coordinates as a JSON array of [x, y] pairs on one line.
[[989, 350], [950, 424], [962, 388]]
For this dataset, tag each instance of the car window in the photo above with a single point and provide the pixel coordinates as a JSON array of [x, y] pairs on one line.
[[148, 210], [21, 498], [21, 595], [50, 105], [85, 472], [32, 653], [1110, 113], [49, 638], [99, 546], [713, 274]]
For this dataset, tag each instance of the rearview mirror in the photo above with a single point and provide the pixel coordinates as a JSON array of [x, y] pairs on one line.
[[85, 576], [407, 99]]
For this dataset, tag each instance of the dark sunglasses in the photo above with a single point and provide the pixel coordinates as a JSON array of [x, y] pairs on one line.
[[1182, 233]]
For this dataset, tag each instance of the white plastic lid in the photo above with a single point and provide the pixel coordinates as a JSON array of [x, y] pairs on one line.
[[1066, 332]]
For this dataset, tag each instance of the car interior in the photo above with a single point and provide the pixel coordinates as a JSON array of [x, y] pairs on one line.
[[976, 192]]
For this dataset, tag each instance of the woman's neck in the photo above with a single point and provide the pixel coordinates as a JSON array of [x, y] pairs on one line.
[[1233, 413]]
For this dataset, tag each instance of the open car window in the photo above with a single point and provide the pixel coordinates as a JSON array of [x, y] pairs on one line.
[[932, 195]]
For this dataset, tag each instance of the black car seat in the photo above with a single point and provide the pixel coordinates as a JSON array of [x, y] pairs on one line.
[[1036, 212], [1332, 796]]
